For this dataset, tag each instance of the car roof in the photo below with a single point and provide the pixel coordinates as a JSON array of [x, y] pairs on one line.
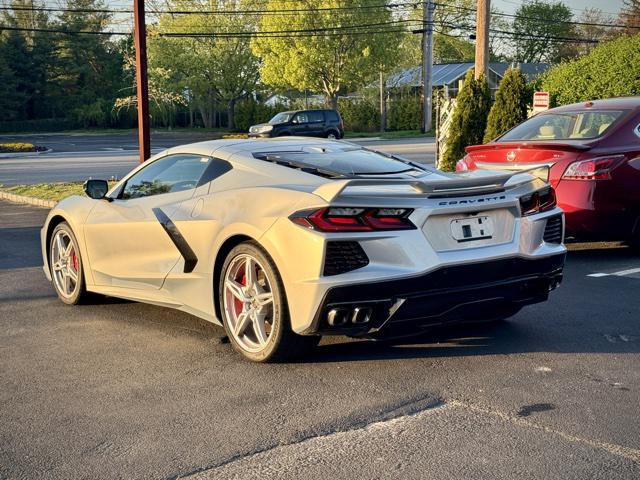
[[621, 103], [226, 148]]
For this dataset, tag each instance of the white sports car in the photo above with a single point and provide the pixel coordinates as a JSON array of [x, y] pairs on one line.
[[282, 241]]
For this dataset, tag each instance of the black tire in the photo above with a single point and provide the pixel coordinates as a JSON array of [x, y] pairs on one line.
[[634, 242], [80, 294], [282, 343], [333, 134]]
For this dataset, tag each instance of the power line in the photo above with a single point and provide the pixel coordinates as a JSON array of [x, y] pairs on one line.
[[539, 19], [503, 34], [213, 12], [570, 8], [570, 22], [274, 34], [393, 23]]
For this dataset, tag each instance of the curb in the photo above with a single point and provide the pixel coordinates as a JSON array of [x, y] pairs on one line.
[[24, 154], [363, 139], [36, 202]]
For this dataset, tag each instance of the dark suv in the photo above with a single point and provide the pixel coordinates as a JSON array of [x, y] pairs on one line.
[[307, 123]]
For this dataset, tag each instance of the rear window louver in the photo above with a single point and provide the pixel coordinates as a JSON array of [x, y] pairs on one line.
[[303, 167]]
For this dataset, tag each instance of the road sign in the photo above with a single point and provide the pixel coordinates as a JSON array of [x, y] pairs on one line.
[[540, 101]]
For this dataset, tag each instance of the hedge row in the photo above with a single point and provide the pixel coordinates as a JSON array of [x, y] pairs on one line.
[[364, 115], [612, 69], [17, 147], [44, 125]]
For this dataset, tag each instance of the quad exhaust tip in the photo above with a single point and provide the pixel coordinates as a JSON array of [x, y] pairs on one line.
[[338, 317]]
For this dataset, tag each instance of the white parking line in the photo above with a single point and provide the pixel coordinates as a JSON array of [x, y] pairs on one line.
[[621, 273]]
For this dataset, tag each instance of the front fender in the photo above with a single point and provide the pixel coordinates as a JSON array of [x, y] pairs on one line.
[[74, 210]]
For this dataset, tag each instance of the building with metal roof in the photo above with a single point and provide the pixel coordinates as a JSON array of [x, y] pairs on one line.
[[449, 74]]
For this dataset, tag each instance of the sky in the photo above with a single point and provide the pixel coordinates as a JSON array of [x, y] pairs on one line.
[[607, 6]]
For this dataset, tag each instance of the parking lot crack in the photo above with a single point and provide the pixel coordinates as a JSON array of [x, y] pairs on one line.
[[406, 409]]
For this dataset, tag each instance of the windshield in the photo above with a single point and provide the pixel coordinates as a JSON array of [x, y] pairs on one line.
[[564, 126], [282, 117], [346, 162]]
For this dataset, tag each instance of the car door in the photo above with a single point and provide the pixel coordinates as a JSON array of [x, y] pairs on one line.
[[316, 123], [300, 124], [128, 242]]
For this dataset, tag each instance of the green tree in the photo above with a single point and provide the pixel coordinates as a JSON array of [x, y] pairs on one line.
[[9, 103], [510, 105], [17, 59], [28, 55], [469, 119], [326, 62], [538, 26], [210, 68], [88, 69], [612, 69]]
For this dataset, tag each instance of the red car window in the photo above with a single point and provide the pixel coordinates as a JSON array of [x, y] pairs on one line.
[[576, 125]]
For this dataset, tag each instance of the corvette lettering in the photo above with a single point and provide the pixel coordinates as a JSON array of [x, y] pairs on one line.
[[472, 201]]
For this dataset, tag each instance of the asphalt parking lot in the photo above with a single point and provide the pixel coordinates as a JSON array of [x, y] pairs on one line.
[[76, 157], [125, 390]]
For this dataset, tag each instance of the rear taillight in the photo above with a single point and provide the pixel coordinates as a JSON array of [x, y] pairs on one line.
[[536, 202], [462, 165], [592, 169], [354, 219]]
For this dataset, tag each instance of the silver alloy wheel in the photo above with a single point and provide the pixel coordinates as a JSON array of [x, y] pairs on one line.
[[331, 136], [65, 264], [248, 303]]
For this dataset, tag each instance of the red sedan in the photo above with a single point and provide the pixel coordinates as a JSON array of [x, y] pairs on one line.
[[593, 152]]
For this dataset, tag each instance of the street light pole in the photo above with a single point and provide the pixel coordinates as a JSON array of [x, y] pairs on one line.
[[427, 64], [142, 87]]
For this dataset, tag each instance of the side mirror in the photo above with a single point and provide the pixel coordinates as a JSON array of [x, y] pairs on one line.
[[96, 189]]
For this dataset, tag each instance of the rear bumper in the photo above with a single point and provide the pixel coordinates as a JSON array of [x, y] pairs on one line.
[[448, 294], [592, 212]]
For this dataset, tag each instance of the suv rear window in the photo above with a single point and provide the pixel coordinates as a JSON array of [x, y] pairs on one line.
[[576, 125], [332, 116]]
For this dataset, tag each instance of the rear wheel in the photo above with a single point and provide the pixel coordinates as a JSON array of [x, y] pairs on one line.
[[66, 265], [333, 134], [254, 307]]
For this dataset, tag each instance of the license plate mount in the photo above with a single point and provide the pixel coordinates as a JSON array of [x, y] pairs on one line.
[[472, 228]]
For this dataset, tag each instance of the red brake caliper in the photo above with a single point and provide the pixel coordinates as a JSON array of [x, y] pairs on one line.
[[74, 260]]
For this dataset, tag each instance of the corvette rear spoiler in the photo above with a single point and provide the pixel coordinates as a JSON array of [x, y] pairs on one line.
[[454, 184]]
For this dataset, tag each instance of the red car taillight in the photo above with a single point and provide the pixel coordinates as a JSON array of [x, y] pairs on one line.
[[462, 165], [592, 169], [536, 202], [354, 219]]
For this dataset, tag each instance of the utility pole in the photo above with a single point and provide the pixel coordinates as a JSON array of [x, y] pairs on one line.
[[427, 64], [383, 104], [482, 37], [142, 87]]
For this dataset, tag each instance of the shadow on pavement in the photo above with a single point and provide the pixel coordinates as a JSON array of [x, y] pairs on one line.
[[20, 248]]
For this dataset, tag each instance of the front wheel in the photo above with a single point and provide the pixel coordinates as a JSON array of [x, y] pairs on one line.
[[66, 265], [254, 307]]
